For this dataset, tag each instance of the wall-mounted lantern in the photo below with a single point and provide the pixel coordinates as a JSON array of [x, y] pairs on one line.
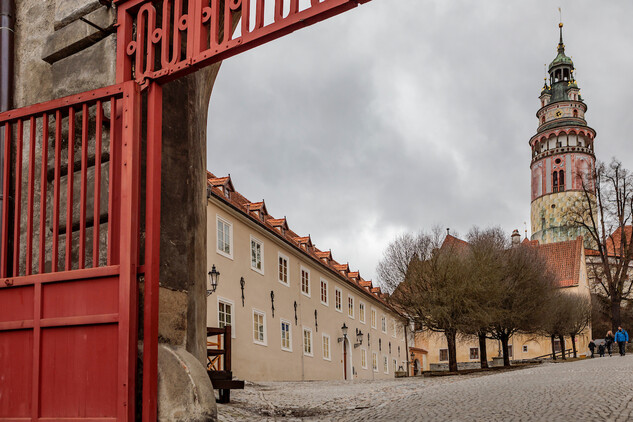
[[316, 321], [359, 338], [295, 312], [344, 330], [242, 283], [272, 302], [212, 282]]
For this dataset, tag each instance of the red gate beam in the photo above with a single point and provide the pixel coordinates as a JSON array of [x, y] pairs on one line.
[[151, 33]]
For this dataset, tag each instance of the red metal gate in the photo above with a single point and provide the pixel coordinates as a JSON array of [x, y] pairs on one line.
[[68, 264]]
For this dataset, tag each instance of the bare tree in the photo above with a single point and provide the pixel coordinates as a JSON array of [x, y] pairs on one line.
[[434, 294], [605, 213], [579, 317], [525, 285], [484, 264], [393, 267]]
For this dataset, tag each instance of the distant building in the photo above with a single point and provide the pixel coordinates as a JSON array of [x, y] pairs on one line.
[[287, 315]]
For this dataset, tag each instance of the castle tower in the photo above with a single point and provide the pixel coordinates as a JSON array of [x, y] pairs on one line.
[[562, 152]]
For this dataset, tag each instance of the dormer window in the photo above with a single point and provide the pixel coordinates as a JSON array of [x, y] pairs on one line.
[[227, 193]]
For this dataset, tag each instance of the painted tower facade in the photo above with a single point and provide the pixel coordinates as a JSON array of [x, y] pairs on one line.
[[562, 153]]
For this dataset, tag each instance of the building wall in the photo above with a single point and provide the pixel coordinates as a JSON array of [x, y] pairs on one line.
[[267, 361]]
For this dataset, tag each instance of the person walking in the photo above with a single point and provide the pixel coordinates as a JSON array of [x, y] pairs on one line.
[[608, 341], [621, 337], [592, 347], [601, 350]]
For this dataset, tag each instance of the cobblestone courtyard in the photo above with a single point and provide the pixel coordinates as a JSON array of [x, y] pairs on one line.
[[598, 389]]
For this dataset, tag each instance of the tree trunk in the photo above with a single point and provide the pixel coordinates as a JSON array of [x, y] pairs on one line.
[[483, 355], [562, 346], [573, 344], [553, 338], [504, 346], [616, 321], [452, 350]]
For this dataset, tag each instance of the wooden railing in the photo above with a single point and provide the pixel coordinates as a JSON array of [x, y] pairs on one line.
[[219, 362]]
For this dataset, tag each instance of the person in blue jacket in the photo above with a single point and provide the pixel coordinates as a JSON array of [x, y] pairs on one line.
[[621, 337]]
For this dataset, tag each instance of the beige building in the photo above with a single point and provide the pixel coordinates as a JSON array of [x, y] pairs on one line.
[[287, 315], [567, 260]]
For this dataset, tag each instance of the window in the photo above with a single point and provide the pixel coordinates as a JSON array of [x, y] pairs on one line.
[[257, 255], [283, 269], [286, 336], [443, 355], [350, 306], [383, 324], [561, 180], [305, 282], [395, 365], [225, 314], [326, 347], [555, 178], [225, 238], [363, 358], [474, 353], [385, 364], [510, 351], [361, 312], [374, 361], [307, 341], [525, 349], [373, 318], [393, 326], [259, 327], [337, 299], [324, 298]]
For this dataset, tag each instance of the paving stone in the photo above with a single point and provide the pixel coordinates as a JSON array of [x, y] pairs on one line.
[[597, 389]]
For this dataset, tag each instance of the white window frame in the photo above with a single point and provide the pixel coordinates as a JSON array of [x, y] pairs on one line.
[[329, 347], [348, 308], [470, 351], [219, 219], [265, 342], [374, 361], [303, 342], [383, 323], [340, 295], [395, 365], [385, 364], [261, 254], [282, 256], [393, 324], [307, 271], [289, 348], [361, 304], [327, 292], [373, 316], [229, 302], [363, 354]]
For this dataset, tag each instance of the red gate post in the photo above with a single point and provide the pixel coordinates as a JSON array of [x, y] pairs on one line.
[[152, 252], [129, 226]]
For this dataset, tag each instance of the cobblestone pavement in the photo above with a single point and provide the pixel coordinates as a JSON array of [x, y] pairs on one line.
[[599, 389]]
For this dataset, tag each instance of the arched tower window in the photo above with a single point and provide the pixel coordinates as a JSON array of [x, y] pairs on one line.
[[555, 180], [561, 180], [575, 113], [543, 120]]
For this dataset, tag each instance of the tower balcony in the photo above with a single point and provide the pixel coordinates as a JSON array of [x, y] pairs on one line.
[[561, 150]]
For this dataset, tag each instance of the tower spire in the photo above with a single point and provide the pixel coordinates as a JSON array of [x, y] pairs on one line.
[[561, 46]]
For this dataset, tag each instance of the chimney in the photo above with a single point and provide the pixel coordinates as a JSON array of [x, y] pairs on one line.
[[516, 238]]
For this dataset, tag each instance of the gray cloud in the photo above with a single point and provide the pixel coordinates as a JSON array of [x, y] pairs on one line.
[[399, 115]]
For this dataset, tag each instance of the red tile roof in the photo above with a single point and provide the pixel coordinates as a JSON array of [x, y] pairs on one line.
[[243, 205], [613, 242], [564, 259]]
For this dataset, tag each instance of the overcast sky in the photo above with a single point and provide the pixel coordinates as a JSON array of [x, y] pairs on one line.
[[404, 114]]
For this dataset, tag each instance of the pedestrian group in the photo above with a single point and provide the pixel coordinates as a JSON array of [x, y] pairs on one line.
[[621, 338]]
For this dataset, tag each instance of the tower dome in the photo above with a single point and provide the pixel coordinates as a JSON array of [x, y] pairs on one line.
[[562, 153]]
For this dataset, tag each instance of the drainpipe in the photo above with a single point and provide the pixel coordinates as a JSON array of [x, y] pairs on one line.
[[7, 21]]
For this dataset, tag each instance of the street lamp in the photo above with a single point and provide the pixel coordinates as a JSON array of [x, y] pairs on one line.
[[212, 284], [344, 329], [359, 338]]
